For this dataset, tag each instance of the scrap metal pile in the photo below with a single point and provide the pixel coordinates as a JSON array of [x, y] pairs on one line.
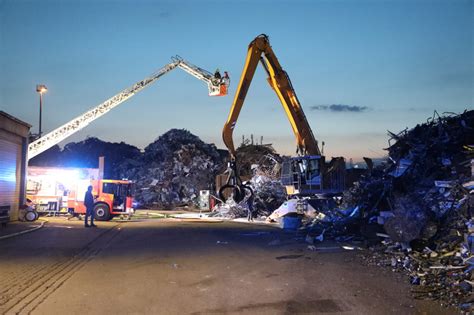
[[262, 165], [268, 195], [423, 197], [173, 170], [268, 191]]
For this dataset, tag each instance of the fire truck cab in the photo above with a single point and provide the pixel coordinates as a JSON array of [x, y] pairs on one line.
[[111, 197]]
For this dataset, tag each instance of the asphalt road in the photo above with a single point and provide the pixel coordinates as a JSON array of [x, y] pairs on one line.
[[182, 267]]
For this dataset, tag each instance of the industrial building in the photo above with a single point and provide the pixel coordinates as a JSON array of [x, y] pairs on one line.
[[13, 162]]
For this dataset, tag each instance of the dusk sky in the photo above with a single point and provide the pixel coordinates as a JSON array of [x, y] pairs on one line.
[[359, 68]]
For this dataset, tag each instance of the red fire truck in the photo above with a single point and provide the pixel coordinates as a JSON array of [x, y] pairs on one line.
[[63, 189]]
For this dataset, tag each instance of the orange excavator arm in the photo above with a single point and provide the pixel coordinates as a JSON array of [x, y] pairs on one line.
[[260, 50]]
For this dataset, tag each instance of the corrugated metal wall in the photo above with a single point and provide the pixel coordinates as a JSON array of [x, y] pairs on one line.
[[10, 172]]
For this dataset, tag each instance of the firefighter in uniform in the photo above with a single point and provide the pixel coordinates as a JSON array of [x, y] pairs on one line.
[[89, 203]]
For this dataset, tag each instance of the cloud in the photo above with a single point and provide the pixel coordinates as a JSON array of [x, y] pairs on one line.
[[340, 108]]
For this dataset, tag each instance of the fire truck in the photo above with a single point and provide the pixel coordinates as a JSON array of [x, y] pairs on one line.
[[54, 190]]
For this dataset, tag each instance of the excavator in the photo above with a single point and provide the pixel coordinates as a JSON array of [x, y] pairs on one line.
[[306, 175]]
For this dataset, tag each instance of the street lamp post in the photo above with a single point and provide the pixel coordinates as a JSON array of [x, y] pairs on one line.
[[41, 88]]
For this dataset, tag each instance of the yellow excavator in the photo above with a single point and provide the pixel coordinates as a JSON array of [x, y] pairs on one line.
[[308, 174]]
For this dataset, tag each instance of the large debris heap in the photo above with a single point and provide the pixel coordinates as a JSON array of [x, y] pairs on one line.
[[173, 169], [269, 193], [259, 167], [263, 165], [423, 197]]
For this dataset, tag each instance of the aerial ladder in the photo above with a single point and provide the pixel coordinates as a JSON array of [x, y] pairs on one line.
[[216, 86], [307, 174]]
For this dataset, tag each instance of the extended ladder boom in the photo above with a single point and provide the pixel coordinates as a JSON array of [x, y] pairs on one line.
[[217, 87], [76, 124]]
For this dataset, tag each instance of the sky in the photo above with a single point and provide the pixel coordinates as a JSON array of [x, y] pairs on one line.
[[359, 68]]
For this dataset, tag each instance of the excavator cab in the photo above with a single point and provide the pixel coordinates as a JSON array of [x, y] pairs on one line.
[[302, 175], [310, 175]]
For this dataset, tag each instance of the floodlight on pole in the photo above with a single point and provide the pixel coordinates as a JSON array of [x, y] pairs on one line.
[[41, 88]]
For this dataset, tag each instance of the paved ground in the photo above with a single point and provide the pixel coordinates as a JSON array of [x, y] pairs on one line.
[[178, 267], [14, 228]]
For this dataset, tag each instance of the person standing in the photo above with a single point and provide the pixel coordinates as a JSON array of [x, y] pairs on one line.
[[89, 203], [217, 74], [226, 76]]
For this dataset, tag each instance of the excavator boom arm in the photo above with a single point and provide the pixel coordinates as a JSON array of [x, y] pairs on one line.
[[260, 50]]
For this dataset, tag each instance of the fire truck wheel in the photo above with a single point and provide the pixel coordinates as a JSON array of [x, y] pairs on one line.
[[31, 216], [102, 212]]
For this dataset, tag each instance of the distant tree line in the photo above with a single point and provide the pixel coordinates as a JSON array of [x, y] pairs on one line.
[[86, 154]]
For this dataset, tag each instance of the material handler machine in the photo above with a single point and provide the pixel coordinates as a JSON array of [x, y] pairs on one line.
[[306, 175]]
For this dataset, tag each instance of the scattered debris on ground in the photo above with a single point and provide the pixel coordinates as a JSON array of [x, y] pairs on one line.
[[423, 199], [231, 209]]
